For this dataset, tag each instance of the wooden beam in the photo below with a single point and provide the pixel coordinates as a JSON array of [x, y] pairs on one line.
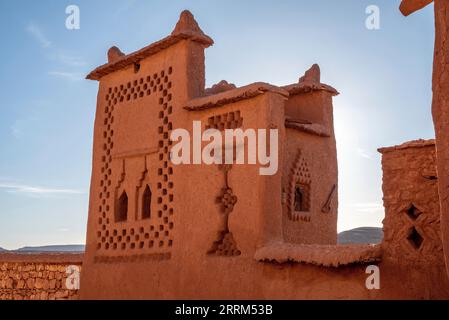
[[408, 7]]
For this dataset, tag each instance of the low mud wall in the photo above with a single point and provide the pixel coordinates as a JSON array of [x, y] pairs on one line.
[[39, 276]]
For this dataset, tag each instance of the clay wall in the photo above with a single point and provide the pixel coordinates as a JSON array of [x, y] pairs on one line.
[[314, 107], [315, 158], [255, 217], [412, 247], [220, 232], [283, 280], [412, 213], [38, 276], [311, 162], [137, 110], [135, 115]]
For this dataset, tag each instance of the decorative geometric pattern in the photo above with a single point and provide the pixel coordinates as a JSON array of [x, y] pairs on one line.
[[229, 120], [412, 226], [227, 200], [138, 88], [413, 212], [414, 237], [300, 177], [147, 237], [225, 245]]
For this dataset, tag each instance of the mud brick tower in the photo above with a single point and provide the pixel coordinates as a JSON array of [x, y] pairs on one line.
[[412, 224], [159, 230]]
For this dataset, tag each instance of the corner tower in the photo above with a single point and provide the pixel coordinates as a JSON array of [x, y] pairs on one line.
[[133, 201]]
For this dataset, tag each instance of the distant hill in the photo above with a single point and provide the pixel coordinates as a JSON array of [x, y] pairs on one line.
[[358, 235], [56, 248], [361, 235]]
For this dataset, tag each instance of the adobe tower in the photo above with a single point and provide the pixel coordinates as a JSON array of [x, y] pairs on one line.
[[159, 230]]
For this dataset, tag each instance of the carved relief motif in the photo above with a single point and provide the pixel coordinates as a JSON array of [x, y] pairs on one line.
[[326, 208], [412, 227], [416, 235], [229, 120], [416, 229], [142, 236], [225, 245], [299, 193]]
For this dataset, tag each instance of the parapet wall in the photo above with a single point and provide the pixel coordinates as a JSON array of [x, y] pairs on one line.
[[39, 276]]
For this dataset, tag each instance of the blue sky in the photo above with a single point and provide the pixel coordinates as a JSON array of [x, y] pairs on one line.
[[47, 108]]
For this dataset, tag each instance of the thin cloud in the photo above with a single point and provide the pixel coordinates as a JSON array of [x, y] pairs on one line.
[[73, 76], [55, 54], [38, 35], [22, 126], [69, 60], [36, 190], [16, 131], [364, 154]]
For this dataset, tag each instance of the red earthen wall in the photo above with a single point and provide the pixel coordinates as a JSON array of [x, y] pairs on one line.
[[37, 276], [412, 230], [180, 251], [311, 158]]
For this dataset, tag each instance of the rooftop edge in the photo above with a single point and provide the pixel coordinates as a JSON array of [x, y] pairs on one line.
[[186, 28], [420, 143], [232, 96], [320, 255]]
